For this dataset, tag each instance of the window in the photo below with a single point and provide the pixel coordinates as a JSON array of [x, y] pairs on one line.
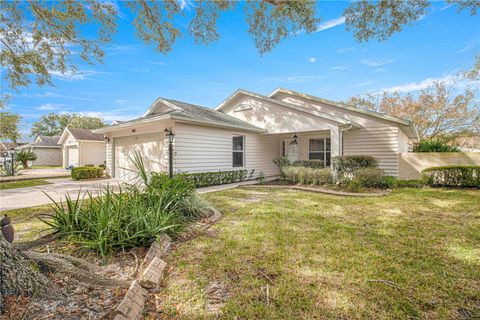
[[238, 154], [319, 149]]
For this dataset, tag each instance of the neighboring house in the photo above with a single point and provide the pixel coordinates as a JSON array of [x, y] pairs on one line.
[[82, 147], [7, 146], [249, 130], [47, 150]]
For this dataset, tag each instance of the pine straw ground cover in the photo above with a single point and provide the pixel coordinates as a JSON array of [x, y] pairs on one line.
[[283, 254]]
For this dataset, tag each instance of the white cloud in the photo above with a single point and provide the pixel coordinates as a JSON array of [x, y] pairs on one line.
[[293, 79], [51, 107], [330, 24], [448, 6], [376, 63], [425, 83], [110, 116], [312, 59], [344, 50], [121, 102], [340, 67], [364, 84], [73, 76]]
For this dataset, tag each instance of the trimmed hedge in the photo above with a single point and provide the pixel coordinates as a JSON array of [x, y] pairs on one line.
[[307, 176], [372, 178], [452, 176], [79, 173], [346, 165], [206, 179], [316, 164]]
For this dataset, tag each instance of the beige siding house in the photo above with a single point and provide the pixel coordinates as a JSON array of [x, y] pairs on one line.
[[47, 150], [249, 130], [82, 147]]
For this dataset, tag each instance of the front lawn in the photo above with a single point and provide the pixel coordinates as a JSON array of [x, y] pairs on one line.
[[22, 184], [283, 254]]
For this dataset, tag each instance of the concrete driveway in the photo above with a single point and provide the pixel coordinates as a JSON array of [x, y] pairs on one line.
[[58, 189]]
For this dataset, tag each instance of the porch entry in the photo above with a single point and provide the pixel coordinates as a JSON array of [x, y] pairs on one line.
[[291, 150]]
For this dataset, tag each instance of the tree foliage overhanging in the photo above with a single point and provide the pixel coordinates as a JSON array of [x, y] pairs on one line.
[[39, 37]]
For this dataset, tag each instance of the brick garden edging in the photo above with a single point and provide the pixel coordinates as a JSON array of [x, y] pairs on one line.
[[151, 272], [321, 190]]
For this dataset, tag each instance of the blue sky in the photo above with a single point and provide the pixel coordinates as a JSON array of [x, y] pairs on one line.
[[328, 63]]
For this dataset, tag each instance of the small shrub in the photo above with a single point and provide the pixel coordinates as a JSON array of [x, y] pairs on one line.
[[80, 173], [435, 145], [309, 163], [452, 176], [103, 166], [409, 184], [372, 178], [89, 165], [307, 176], [346, 165], [261, 178], [281, 162], [206, 179]]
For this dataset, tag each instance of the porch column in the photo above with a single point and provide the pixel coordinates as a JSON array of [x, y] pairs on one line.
[[335, 142]]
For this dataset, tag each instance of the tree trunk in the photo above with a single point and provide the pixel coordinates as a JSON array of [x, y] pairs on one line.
[[18, 274]]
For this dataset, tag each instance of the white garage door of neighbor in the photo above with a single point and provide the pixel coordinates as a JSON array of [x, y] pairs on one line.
[[72, 156], [150, 146]]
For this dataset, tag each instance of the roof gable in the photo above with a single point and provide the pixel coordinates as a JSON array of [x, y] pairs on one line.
[[406, 125], [301, 109], [80, 134]]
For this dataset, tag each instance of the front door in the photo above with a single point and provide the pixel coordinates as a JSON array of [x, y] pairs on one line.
[[292, 150]]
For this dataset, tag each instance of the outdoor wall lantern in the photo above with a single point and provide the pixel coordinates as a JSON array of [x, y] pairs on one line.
[[107, 139], [295, 140], [171, 136]]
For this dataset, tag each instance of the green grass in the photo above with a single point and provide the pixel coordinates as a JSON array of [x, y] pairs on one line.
[[26, 223], [412, 254], [22, 184]]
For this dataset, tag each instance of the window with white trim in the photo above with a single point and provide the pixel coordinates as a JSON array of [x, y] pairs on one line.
[[319, 149], [238, 151]]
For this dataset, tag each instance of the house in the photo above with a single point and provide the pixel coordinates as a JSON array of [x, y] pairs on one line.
[[8, 146], [47, 150], [249, 130], [82, 147]]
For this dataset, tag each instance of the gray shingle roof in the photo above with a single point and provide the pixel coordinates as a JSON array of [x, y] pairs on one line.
[[85, 134], [196, 112], [44, 142]]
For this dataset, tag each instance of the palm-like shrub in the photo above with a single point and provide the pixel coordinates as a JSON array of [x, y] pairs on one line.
[[23, 156]]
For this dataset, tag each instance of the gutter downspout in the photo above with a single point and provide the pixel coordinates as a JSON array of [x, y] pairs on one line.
[[350, 126]]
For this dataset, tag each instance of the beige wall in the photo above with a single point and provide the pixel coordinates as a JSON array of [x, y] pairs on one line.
[[275, 118], [47, 156], [378, 137], [412, 164], [381, 142], [141, 129], [91, 153], [201, 148]]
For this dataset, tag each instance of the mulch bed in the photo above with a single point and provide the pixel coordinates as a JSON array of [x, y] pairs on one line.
[[72, 299], [325, 190]]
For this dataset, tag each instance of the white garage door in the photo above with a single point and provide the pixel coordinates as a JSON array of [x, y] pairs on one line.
[[72, 156], [150, 146]]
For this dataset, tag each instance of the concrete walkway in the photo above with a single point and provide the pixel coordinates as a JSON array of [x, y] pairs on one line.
[[58, 189]]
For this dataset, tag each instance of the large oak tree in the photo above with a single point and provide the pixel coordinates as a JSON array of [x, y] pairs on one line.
[[39, 37]]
